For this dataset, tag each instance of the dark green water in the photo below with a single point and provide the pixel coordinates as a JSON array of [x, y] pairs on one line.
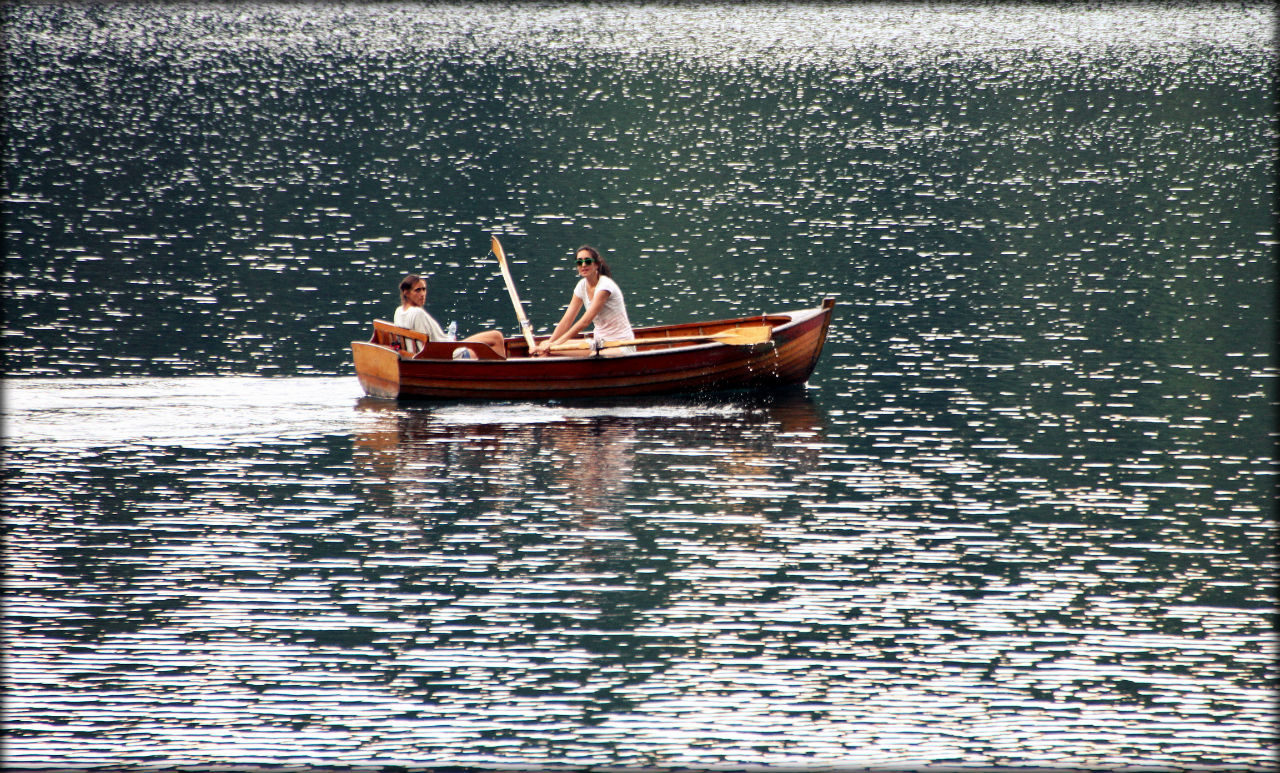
[[1021, 516]]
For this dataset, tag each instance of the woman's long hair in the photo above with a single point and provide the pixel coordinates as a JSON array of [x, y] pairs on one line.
[[604, 267]]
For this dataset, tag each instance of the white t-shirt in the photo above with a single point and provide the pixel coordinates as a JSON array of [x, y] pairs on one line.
[[417, 318], [611, 324]]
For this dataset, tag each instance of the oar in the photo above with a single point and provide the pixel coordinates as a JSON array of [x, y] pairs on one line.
[[739, 336], [525, 327]]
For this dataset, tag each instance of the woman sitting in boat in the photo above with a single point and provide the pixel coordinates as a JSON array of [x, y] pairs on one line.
[[601, 297], [412, 314]]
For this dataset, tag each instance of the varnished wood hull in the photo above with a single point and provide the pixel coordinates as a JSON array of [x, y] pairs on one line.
[[789, 357]]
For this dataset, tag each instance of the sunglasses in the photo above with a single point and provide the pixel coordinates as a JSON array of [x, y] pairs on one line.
[[585, 261]]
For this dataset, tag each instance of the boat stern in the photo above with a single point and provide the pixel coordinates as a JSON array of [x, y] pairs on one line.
[[377, 368]]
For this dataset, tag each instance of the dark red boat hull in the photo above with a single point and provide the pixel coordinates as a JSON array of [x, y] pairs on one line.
[[789, 357]]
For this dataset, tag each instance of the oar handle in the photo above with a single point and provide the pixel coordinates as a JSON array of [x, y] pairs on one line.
[[742, 336]]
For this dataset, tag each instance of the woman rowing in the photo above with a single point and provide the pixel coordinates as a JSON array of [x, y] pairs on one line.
[[601, 298]]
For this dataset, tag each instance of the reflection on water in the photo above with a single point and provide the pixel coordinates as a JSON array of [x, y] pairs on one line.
[[580, 460], [1021, 516], [655, 583]]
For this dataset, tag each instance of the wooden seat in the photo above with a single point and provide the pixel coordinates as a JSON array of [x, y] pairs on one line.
[[413, 344]]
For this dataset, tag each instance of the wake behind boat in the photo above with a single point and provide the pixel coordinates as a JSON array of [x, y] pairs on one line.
[[762, 352]]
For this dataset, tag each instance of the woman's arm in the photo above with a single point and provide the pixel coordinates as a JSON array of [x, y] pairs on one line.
[[564, 328], [597, 303]]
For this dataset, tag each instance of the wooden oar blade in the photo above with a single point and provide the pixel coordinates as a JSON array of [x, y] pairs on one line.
[[745, 336], [525, 326]]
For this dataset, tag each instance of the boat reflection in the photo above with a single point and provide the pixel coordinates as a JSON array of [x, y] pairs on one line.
[[582, 460], [519, 532]]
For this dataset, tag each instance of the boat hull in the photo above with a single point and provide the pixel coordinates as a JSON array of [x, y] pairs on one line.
[[788, 358]]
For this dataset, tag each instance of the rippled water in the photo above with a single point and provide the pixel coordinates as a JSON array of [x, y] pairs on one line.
[[1021, 516]]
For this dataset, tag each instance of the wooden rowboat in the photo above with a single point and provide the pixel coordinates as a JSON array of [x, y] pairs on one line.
[[762, 352]]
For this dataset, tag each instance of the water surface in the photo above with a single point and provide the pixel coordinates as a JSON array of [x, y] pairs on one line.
[[1020, 516]]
